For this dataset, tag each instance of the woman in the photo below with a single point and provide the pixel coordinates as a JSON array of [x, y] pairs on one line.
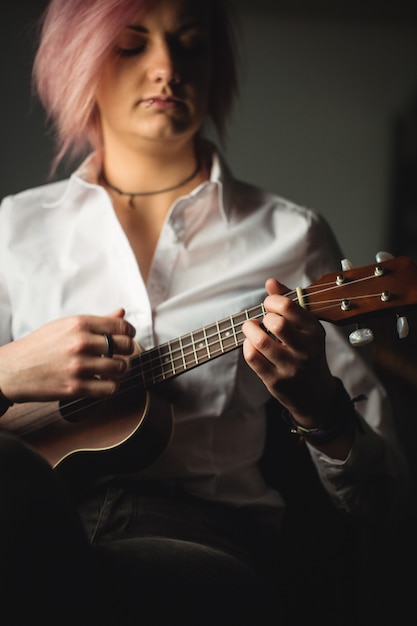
[[149, 240]]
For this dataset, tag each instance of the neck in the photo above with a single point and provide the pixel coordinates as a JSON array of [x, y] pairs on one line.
[[149, 172], [164, 190]]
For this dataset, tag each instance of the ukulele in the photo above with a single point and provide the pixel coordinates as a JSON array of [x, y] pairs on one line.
[[131, 429]]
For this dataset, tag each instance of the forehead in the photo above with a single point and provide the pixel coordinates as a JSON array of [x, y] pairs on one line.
[[173, 12]]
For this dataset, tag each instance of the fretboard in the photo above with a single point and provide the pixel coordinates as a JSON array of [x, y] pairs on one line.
[[195, 348]]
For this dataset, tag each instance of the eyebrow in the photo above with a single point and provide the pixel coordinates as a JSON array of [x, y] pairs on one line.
[[186, 26]]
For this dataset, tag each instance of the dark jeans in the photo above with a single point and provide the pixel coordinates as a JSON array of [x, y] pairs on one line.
[[124, 553]]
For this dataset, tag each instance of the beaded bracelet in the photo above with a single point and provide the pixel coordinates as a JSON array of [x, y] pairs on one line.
[[346, 415]]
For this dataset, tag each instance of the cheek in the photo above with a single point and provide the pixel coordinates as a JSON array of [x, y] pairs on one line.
[[104, 93], [111, 94], [115, 82]]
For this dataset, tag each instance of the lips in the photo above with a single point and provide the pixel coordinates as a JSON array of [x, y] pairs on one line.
[[161, 102]]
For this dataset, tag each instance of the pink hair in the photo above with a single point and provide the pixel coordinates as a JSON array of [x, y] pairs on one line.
[[75, 39]]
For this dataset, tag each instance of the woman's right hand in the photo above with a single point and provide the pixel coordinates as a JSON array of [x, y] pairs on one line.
[[67, 358]]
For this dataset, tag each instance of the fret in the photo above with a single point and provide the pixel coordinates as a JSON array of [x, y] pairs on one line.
[[171, 358], [179, 355], [189, 353], [200, 346], [154, 365], [146, 359], [219, 334], [213, 340], [165, 358], [233, 327], [194, 349], [227, 334], [239, 320], [206, 342], [137, 367], [184, 362], [157, 366], [176, 357]]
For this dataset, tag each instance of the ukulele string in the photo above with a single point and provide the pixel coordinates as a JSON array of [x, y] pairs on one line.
[[186, 351]]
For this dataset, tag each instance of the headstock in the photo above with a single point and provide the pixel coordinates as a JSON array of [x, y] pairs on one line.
[[353, 295]]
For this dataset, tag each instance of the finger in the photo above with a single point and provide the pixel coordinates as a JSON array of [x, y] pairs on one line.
[[281, 322], [261, 343], [281, 329], [302, 320], [102, 345], [301, 338], [257, 358], [118, 313], [112, 324], [108, 345], [256, 361], [114, 368], [102, 368], [104, 335], [85, 376], [272, 286], [115, 326], [95, 387]]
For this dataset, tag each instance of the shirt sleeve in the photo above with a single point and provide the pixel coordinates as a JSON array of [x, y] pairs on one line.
[[5, 306], [372, 484]]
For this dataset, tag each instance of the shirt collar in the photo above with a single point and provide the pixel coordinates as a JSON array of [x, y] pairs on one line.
[[221, 179], [89, 170]]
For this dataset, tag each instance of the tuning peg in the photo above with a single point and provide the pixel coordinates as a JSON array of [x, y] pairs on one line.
[[346, 264], [383, 256], [402, 327], [361, 337]]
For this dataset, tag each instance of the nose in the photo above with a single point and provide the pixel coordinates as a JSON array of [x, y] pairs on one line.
[[162, 65]]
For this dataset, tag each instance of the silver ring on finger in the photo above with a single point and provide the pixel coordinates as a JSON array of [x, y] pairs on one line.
[[110, 345]]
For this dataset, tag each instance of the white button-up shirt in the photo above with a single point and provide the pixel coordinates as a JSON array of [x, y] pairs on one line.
[[64, 252]]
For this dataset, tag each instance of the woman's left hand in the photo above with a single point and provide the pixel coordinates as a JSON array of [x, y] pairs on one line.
[[287, 351]]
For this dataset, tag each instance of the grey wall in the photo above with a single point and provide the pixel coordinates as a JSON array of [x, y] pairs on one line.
[[317, 118], [320, 96]]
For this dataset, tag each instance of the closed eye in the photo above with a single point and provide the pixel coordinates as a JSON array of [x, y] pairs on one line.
[[189, 47], [130, 52]]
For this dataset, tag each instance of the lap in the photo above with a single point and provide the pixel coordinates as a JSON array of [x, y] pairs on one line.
[[129, 549], [159, 580], [120, 555], [175, 553]]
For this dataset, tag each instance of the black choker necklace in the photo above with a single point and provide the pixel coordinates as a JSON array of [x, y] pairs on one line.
[[149, 193]]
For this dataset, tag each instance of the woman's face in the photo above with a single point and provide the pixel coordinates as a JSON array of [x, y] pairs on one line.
[[154, 85]]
